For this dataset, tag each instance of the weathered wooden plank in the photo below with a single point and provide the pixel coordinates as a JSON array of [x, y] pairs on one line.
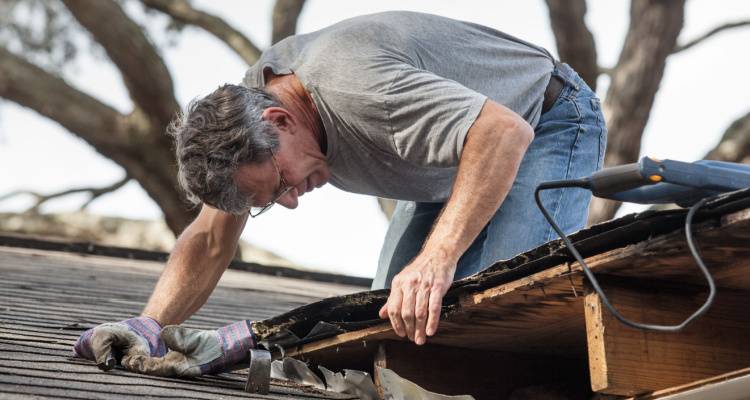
[[539, 314], [355, 338], [546, 306], [542, 313], [626, 361]]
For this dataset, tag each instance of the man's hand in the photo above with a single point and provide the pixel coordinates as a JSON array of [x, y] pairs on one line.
[[195, 352], [134, 337], [494, 147], [417, 295]]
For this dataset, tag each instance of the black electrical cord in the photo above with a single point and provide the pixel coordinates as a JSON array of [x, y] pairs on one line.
[[584, 183]]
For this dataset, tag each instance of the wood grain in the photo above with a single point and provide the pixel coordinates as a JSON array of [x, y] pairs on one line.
[[543, 313], [626, 361]]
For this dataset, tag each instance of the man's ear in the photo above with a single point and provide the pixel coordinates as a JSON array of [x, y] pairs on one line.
[[280, 117]]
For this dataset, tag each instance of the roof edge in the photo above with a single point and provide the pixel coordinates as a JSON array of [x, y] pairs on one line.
[[84, 247]]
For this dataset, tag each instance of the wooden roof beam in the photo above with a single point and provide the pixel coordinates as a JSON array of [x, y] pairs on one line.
[[626, 361]]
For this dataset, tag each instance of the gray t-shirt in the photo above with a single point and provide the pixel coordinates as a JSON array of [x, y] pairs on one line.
[[398, 91]]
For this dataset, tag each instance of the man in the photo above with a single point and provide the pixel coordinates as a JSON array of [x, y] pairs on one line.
[[457, 121]]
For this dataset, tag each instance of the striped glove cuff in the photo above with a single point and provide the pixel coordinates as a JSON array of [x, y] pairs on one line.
[[236, 340], [149, 329]]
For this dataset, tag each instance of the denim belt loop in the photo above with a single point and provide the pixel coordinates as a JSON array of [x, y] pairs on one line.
[[565, 72]]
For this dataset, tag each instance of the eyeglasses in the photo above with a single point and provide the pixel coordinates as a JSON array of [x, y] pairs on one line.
[[283, 189]]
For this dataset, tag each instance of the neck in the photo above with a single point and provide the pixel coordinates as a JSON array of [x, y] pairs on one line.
[[293, 96]]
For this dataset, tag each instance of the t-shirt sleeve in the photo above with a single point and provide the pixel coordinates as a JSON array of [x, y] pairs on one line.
[[429, 117]]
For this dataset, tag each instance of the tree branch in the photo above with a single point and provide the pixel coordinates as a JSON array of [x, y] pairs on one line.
[[182, 11], [134, 143], [652, 34], [708, 34], [284, 19], [145, 75], [28, 85], [575, 42], [94, 193]]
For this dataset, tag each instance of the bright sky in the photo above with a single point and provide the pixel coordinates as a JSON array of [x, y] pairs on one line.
[[704, 90]]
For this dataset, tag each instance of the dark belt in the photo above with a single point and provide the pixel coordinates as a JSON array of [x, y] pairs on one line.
[[554, 87]]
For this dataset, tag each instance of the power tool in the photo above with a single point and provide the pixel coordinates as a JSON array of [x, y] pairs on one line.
[[653, 181]]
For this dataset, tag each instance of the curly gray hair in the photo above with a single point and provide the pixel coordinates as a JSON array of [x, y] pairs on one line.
[[216, 135]]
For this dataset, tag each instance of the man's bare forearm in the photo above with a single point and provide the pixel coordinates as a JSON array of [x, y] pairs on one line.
[[200, 256], [492, 154], [489, 163]]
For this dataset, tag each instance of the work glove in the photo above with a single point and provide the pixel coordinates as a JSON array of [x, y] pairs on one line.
[[195, 352], [106, 343]]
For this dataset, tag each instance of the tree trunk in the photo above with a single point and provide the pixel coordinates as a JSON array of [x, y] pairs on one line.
[[651, 37], [144, 72], [131, 141], [137, 141], [575, 43], [284, 19]]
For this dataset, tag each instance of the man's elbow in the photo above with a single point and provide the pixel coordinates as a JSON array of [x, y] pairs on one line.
[[514, 130], [497, 124], [524, 131], [509, 124]]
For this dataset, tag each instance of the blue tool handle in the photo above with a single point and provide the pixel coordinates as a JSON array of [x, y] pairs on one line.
[[718, 176], [664, 193], [669, 181]]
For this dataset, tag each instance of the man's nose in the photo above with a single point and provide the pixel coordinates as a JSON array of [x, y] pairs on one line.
[[289, 199]]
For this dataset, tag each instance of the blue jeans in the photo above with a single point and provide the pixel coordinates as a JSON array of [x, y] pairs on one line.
[[569, 142]]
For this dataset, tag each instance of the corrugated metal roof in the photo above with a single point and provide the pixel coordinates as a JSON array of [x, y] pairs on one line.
[[48, 298]]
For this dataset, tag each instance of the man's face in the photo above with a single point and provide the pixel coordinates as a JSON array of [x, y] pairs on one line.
[[300, 163]]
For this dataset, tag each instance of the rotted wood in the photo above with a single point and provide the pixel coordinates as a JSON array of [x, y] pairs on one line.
[[667, 257], [623, 238], [542, 313], [627, 361]]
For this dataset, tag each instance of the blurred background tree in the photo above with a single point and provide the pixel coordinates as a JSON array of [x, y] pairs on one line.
[[39, 37], [48, 33], [651, 38]]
